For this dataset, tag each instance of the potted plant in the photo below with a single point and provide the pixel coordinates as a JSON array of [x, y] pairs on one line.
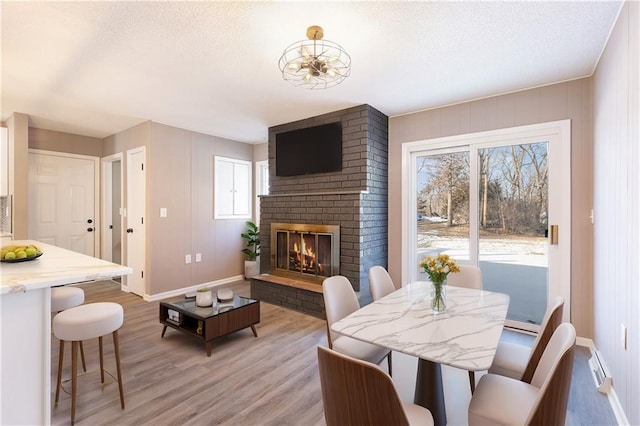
[[252, 250]]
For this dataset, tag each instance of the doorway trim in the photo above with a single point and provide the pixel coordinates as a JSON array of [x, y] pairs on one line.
[[560, 131]]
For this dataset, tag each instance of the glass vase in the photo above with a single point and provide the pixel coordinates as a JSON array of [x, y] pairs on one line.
[[439, 296]]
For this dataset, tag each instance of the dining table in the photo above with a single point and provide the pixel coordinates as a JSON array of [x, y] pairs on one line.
[[464, 336]]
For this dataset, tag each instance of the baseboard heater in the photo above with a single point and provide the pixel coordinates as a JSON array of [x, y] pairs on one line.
[[600, 373]]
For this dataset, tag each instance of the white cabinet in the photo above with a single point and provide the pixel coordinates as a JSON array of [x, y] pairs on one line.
[[4, 161], [232, 188]]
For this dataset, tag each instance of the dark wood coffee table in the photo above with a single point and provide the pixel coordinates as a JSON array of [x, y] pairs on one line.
[[211, 322]]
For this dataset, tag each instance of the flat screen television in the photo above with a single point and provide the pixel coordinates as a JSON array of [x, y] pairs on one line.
[[311, 150]]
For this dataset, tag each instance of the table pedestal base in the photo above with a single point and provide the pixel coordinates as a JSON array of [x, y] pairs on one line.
[[429, 392]]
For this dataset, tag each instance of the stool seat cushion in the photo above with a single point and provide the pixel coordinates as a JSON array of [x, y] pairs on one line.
[[88, 321], [63, 298]]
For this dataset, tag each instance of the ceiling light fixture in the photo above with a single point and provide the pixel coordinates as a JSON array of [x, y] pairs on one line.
[[315, 63]]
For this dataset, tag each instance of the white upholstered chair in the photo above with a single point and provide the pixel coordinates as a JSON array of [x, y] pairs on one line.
[[380, 283], [520, 361], [469, 276], [501, 400], [339, 301], [356, 392]]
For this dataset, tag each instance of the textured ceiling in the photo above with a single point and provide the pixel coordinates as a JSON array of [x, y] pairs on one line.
[[97, 68]]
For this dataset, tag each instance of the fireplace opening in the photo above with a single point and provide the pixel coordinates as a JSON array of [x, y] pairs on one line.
[[311, 252]]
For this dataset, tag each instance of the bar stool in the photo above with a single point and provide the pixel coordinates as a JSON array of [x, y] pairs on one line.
[[87, 322], [63, 298]]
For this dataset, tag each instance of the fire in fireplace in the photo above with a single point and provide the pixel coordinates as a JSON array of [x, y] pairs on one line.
[[311, 252]]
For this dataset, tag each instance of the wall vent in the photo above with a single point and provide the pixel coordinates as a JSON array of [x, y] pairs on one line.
[[600, 372]]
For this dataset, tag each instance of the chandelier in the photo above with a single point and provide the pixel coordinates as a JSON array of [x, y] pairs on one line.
[[315, 63]]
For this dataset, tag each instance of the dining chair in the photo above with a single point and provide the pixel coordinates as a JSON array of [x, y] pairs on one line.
[[339, 301], [501, 400], [519, 361], [469, 276], [380, 282], [356, 392]]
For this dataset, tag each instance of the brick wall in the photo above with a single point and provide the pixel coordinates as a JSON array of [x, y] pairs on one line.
[[354, 198]]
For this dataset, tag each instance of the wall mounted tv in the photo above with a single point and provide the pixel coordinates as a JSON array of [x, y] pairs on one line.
[[311, 150]]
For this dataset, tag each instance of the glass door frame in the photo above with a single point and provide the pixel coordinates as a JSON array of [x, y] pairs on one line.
[[558, 135]]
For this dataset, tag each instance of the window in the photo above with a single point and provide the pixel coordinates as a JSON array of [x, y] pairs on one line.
[[262, 184], [232, 188]]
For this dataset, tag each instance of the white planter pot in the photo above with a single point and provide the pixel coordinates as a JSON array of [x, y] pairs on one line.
[[251, 268]]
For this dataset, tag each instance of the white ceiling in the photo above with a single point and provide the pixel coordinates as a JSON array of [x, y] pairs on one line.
[[97, 68]]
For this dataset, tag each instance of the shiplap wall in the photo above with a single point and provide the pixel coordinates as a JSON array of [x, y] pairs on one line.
[[568, 100], [616, 195]]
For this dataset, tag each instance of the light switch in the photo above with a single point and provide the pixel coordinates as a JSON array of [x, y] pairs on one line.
[[187, 258], [198, 257], [163, 212]]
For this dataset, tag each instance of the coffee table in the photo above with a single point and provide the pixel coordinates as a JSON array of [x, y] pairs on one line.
[[211, 322]]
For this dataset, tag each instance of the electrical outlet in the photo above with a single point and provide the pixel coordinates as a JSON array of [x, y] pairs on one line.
[[623, 336], [163, 212], [198, 257], [187, 258]]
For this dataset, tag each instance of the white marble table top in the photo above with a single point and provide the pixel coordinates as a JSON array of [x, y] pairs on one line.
[[465, 336], [57, 266]]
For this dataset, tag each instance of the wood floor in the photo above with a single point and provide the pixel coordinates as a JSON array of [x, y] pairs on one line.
[[268, 380]]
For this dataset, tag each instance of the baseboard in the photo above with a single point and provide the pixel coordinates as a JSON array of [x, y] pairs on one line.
[[618, 411], [614, 402], [585, 342], [184, 290]]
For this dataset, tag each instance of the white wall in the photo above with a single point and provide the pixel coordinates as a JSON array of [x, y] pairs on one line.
[[616, 195]]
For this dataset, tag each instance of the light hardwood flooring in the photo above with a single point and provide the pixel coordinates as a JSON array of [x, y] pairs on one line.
[[268, 380]]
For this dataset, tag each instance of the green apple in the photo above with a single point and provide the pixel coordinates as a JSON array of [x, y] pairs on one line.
[[21, 254], [31, 251], [10, 255]]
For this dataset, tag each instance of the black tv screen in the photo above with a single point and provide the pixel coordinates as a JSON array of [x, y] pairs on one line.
[[312, 150]]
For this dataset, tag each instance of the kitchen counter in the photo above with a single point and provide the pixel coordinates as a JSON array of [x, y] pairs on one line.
[[25, 326]]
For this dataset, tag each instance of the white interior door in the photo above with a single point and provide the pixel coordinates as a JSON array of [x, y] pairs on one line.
[[62, 200], [112, 208], [135, 233]]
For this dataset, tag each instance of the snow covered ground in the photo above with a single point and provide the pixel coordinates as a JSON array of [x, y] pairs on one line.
[[517, 267]]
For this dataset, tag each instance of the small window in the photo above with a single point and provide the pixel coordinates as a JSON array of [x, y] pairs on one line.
[[232, 188], [262, 185]]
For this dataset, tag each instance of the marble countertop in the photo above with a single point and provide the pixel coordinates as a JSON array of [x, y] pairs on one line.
[[465, 336], [57, 266]]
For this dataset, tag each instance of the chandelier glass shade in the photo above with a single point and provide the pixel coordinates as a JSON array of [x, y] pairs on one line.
[[315, 63]]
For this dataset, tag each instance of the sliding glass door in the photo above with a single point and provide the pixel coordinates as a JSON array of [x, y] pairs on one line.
[[491, 201]]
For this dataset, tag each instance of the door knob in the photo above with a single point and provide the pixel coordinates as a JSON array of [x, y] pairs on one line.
[[89, 221], [129, 230], [90, 229]]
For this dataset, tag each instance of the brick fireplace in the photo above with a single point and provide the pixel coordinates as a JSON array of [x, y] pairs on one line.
[[353, 199]]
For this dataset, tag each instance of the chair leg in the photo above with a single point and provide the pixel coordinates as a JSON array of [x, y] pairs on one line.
[[60, 358], [116, 346], [101, 360], [84, 364], [389, 363], [74, 379], [472, 381]]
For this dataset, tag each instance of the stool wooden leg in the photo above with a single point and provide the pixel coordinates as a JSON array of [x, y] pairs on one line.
[[101, 360], [60, 358], [472, 381], [84, 364], [116, 346], [74, 379]]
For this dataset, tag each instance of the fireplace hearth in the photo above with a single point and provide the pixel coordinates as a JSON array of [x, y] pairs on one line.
[[305, 251]]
